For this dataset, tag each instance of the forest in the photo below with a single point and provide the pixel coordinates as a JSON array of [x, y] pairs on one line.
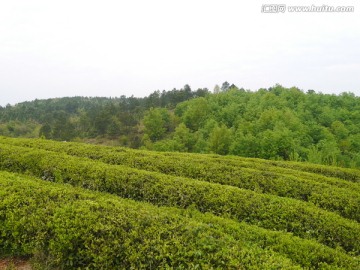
[[276, 123]]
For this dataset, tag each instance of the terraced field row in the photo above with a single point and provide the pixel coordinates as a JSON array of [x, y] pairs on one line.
[[131, 155], [70, 206], [71, 227], [328, 193]]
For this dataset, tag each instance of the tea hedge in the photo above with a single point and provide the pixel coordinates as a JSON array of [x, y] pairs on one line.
[[170, 162], [71, 230], [63, 227], [275, 213], [334, 194]]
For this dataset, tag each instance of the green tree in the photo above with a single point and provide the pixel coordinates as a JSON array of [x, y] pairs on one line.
[[220, 140], [101, 122], [45, 131], [339, 130], [196, 113], [63, 129], [155, 122], [225, 86], [114, 127], [246, 145], [314, 155], [184, 138], [329, 152]]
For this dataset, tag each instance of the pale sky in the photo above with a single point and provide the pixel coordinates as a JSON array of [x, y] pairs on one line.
[[111, 48]]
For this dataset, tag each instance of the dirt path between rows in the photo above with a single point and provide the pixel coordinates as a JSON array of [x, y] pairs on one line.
[[14, 264]]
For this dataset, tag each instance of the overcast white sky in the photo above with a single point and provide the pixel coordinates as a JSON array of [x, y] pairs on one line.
[[112, 48]]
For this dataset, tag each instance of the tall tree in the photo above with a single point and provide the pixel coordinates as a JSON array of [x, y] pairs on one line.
[[155, 121]]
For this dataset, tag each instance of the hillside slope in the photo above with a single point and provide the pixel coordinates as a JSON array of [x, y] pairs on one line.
[[276, 123], [73, 205]]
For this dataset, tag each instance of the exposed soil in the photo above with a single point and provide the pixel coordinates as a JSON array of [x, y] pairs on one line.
[[14, 263]]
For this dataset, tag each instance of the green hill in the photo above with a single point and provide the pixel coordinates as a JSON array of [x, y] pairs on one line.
[[67, 205], [276, 123]]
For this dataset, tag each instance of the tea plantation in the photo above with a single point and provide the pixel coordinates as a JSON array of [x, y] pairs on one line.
[[77, 206]]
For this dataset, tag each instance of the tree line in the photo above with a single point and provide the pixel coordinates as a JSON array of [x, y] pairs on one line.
[[274, 123]]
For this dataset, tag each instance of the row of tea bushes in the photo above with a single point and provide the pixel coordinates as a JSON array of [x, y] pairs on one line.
[[352, 175], [135, 158], [70, 229], [275, 213], [335, 195], [62, 227]]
